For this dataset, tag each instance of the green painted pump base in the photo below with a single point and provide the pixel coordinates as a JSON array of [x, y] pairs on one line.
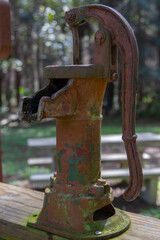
[[114, 226]]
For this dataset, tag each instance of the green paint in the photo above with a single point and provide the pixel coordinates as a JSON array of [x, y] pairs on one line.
[[60, 155], [45, 201], [65, 196], [78, 157], [93, 116], [78, 21], [74, 175], [33, 218], [82, 9], [93, 109], [75, 201], [45, 214]]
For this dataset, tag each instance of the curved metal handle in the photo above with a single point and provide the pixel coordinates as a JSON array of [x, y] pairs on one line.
[[122, 36]]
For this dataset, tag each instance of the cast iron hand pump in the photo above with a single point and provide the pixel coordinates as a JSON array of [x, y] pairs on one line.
[[78, 203]]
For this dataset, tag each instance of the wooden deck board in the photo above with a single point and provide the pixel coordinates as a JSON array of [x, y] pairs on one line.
[[17, 204]]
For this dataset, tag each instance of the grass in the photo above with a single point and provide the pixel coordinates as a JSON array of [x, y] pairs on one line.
[[151, 212], [14, 142], [14, 147]]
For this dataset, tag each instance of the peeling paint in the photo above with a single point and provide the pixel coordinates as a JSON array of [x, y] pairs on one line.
[[60, 155]]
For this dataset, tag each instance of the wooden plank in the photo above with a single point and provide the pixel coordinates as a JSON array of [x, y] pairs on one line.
[[124, 173], [41, 142], [117, 157], [40, 161], [17, 204], [41, 178], [143, 138]]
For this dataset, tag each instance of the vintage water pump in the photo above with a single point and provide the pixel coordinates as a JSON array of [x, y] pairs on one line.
[[78, 203]]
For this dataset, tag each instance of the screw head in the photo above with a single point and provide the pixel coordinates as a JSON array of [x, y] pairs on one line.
[[100, 37], [70, 16], [98, 233]]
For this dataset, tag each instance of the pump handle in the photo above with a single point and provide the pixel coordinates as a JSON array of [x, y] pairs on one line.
[[123, 37]]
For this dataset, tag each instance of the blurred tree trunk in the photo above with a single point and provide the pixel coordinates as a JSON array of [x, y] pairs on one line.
[[158, 33], [16, 46], [1, 79], [109, 94], [17, 85], [83, 30], [7, 83]]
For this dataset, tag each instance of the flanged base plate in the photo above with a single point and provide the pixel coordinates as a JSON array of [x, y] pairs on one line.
[[113, 227]]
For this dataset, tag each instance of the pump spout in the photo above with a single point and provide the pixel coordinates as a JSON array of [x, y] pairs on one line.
[[28, 110], [59, 94]]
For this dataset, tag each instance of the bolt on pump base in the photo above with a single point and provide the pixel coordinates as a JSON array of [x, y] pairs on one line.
[[78, 203]]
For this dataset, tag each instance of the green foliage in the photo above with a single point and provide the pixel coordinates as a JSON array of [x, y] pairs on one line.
[[152, 212], [15, 151], [24, 91], [150, 106]]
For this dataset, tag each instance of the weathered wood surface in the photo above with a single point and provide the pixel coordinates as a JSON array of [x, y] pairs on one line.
[[17, 204]]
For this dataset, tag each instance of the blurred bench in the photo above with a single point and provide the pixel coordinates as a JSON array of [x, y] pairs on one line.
[[121, 159], [46, 162], [150, 175], [150, 180]]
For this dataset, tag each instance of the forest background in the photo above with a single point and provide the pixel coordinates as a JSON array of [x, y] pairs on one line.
[[40, 37]]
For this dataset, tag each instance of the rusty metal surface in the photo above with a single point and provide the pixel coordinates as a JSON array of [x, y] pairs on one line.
[[78, 201], [5, 29], [75, 71]]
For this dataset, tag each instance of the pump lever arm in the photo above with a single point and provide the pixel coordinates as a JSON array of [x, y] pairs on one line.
[[124, 38]]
